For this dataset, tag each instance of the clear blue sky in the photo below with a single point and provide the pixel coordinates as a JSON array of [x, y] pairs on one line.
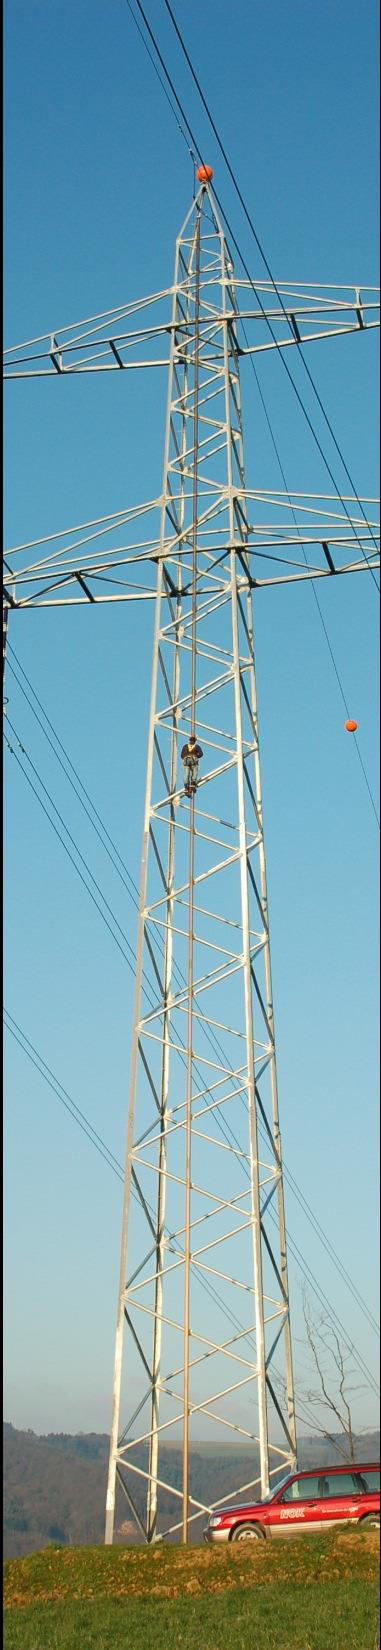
[[97, 184]]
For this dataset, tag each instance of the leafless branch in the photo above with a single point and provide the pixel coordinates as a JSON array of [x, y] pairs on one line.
[[317, 1339]]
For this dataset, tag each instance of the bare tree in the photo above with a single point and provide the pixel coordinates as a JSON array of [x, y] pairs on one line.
[[331, 1365]]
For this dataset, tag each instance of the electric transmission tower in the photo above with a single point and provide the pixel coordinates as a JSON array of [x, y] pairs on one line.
[[203, 1045], [203, 1343], [204, 1052]]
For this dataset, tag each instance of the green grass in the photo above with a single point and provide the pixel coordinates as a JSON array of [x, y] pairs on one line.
[[316, 1594], [344, 1617]]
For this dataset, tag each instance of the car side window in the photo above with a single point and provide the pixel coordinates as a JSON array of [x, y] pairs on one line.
[[368, 1482], [341, 1483], [292, 1492], [302, 1489]]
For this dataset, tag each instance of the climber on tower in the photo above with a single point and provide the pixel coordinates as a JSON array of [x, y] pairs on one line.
[[190, 756]]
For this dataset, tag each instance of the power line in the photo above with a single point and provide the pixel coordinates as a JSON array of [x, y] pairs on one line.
[[224, 1128], [152, 1005], [261, 250], [67, 850], [259, 301], [214, 1042], [324, 1301], [112, 1162], [69, 1104], [343, 696], [64, 770], [161, 82], [155, 1004], [96, 1140], [303, 1267], [312, 582], [68, 833]]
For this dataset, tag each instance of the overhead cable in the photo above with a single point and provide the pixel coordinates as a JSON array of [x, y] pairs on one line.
[[303, 1265], [161, 82], [312, 583], [61, 839], [258, 297], [260, 247], [72, 1108], [96, 1140], [213, 1040]]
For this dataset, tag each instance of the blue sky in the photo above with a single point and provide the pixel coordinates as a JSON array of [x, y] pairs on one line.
[[97, 184]]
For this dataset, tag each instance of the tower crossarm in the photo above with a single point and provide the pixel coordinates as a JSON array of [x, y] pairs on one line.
[[288, 537], [111, 343]]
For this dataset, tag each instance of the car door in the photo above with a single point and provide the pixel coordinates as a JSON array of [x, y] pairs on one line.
[[341, 1499], [298, 1510], [368, 1484]]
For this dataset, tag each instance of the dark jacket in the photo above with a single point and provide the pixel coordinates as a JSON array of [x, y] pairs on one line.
[[191, 750]]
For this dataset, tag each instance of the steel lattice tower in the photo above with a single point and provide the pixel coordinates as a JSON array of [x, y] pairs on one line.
[[203, 1234], [203, 1297]]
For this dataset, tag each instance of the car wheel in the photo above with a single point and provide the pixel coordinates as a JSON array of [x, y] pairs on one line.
[[370, 1522], [248, 1532]]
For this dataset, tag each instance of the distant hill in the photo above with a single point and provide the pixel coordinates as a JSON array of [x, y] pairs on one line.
[[55, 1485]]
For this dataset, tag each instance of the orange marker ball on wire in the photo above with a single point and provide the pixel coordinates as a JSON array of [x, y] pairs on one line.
[[205, 174], [351, 727]]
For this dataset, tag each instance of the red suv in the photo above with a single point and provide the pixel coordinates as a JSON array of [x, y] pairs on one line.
[[304, 1501]]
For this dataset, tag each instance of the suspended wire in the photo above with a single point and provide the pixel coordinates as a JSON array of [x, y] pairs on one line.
[[330, 1250], [305, 1268], [69, 1104], [113, 1163], [224, 1127], [129, 890], [293, 1246], [74, 770], [161, 82], [67, 851], [341, 689], [262, 253], [266, 318], [310, 1276], [229, 1134], [311, 581], [276, 342], [153, 1005], [210, 1035], [107, 1159]]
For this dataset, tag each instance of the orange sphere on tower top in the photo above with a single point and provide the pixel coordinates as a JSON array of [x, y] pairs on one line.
[[351, 727], [205, 174]]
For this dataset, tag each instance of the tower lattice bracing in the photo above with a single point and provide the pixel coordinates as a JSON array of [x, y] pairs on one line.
[[203, 1347]]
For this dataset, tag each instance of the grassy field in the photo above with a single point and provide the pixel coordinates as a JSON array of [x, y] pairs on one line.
[[317, 1594]]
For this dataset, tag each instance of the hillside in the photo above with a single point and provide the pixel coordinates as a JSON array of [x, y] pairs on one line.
[[55, 1485]]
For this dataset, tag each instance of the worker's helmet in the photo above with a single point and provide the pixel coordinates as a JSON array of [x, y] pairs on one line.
[[192, 739]]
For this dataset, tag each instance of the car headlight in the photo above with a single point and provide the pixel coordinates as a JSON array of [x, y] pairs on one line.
[[214, 1521]]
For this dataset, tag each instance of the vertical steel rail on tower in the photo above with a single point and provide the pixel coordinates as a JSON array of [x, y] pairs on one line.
[[188, 1150], [239, 531], [184, 1161]]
